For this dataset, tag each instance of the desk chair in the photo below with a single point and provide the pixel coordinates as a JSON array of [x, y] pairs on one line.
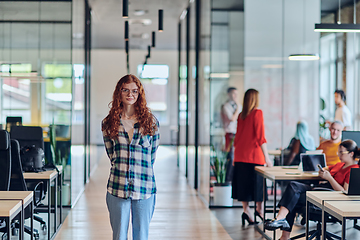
[[28, 135], [5, 160], [316, 216], [17, 183], [13, 121]]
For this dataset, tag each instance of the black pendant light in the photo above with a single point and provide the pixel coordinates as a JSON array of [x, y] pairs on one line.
[[161, 20], [125, 9], [126, 30], [153, 39], [127, 47], [149, 49]]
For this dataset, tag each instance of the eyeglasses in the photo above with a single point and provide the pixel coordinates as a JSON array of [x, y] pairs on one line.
[[343, 152], [127, 91]]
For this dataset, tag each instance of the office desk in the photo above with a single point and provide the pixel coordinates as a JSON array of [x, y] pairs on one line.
[[26, 198], [342, 210], [48, 177], [276, 174], [318, 198], [9, 209]]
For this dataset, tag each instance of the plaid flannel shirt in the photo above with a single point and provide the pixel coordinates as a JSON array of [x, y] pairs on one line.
[[132, 174]]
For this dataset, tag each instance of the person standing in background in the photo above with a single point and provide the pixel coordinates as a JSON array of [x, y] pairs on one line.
[[229, 114], [250, 150], [342, 112]]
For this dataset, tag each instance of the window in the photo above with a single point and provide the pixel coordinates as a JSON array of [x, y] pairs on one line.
[[155, 81]]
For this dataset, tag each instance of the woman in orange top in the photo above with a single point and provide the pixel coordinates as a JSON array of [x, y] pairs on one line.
[[250, 150]]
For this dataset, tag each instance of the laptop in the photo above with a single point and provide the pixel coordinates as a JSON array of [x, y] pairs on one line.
[[310, 161], [354, 182]]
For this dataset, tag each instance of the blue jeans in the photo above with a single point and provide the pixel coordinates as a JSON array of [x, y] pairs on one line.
[[119, 210]]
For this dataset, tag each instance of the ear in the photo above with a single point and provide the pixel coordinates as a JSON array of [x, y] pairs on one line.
[[351, 154]]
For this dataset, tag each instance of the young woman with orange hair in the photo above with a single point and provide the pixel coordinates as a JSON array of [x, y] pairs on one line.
[[250, 150], [131, 137]]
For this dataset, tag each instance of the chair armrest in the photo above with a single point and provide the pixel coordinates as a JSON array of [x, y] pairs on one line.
[[38, 190]]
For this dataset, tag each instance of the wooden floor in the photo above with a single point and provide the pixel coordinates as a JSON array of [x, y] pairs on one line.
[[179, 213]]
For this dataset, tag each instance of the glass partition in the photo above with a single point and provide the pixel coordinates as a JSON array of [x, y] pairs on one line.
[[36, 75]]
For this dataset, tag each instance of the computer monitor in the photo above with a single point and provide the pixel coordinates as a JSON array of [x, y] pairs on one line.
[[353, 135], [310, 161]]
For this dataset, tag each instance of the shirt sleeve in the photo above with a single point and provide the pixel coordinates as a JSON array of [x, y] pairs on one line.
[[259, 127], [109, 146], [155, 143]]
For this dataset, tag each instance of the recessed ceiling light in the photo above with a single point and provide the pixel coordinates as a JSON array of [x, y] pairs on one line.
[[139, 12]]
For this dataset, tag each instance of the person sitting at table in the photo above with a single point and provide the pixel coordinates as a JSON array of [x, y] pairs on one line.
[[300, 143], [330, 147], [294, 197]]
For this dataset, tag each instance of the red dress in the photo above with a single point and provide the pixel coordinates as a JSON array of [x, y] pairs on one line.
[[250, 135]]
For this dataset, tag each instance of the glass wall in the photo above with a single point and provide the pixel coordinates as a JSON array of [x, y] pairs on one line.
[[39, 81]]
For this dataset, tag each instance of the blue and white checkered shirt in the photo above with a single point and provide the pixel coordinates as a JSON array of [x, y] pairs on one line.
[[132, 174]]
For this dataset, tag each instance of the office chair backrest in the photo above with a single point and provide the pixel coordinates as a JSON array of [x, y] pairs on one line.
[[28, 135], [13, 121], [5, 160], [17, 182]]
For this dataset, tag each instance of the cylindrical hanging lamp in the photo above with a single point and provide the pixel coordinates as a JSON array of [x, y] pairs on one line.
[[149, 49], [125, 9], [153, 39], [126, 30], [127, 47], [161, 20]]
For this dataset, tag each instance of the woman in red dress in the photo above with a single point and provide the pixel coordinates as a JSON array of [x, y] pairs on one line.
[[250, 150]]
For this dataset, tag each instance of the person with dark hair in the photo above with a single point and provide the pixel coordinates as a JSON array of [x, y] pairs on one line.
[[342, 112], [294, 197], [229, 114], [131, 137], [250, 150]]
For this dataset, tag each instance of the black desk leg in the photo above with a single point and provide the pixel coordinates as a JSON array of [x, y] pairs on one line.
[[323, 222], [60, 191], [49, 208], [307, 220], [264, 202], [21, 224], [274, 234], [8, 226], [32, 219], [55, 203], [343, 232]]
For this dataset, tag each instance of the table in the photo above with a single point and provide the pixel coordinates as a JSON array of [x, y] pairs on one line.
[[318, 199], [26, 198], [276, 174], [48, 177], [342, 210], [276, 152], [9, 209]]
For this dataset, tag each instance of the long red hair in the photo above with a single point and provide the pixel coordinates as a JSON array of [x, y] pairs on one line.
[[145, 118]]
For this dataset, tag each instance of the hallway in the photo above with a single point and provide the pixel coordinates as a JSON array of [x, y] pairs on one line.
[[179, 213]]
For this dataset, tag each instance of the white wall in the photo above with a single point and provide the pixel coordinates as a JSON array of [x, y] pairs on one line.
[[108, 66]]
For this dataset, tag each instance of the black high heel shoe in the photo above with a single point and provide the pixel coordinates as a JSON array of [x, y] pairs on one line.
[[244, 217], [258, 214]]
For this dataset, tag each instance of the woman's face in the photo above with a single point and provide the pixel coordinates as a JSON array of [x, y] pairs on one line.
[[129, 93], [344, 155]]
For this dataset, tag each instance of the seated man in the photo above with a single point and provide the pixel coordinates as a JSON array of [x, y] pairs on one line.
[[330, 147]]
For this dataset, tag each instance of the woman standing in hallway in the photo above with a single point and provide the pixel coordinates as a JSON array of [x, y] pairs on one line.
[[250, 150], [131, 137]]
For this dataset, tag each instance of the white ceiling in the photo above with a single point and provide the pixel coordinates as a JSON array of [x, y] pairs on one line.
[[108, 24]]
